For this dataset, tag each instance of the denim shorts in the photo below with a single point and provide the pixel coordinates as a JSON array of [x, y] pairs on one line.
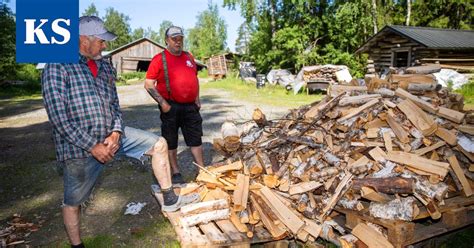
[[80, 175]]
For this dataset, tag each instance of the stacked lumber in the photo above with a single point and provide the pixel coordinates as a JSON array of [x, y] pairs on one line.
[[17, 231], [395, 157]]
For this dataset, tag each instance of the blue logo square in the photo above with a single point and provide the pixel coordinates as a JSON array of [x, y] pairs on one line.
[[47, 31]]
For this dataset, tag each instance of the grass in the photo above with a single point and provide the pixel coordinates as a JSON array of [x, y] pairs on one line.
[[273, 95], [467, 91]]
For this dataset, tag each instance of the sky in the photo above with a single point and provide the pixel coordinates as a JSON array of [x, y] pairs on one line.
[[150, 13]]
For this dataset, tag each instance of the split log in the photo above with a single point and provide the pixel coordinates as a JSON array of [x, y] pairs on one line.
[[235, 166], [469, 129], [259, 117], [419, 163], [401, 134], [335, 90], [205, 217], [241, 192], [418, 117], [254, 166], [385, 92], [304, 187], [341, 188], [265, 161], [424, 150], [447, 135], [276, 231], [425, 69], [450, 114], [357, 100], [207, 206], [372, 195], [397, 209], [422, 104], [231, 136], [286, 215], [358, 110], [466, 186], [370, 237], [389, 185]]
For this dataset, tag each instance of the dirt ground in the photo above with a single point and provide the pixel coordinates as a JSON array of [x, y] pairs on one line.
[[31, 186]]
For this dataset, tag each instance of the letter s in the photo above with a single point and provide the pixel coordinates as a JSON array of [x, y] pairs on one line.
[[61, 31]]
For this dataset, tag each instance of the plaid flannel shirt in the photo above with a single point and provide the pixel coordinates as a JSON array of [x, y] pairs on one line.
[[83, 110]]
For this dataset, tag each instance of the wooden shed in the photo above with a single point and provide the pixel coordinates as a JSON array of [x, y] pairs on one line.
[[402, 46], [134, 56]]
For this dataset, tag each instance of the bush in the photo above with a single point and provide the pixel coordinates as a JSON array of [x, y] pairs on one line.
[[28, 73], [202, 73], [131, 75]]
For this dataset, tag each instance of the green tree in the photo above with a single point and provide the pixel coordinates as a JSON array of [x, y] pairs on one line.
[[138, 33], [209, 35], [243, 38], [165, 24], [7, 44], [91, 11], [117, 23]]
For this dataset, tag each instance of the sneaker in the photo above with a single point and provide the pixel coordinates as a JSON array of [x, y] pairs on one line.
[[177, 179], [183, 200]]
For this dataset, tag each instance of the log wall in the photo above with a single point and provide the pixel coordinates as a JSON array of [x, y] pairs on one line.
[[127, 59]]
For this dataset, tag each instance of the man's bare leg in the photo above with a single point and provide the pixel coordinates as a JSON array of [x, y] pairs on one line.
[[173, 156], [197, 155], [161, 169], [71, 218], [160, 163]]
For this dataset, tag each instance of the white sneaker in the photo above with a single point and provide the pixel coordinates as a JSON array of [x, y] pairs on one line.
[[183, 200]]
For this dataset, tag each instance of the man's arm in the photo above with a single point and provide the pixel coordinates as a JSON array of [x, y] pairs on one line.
[[150, 88], [54, 94]]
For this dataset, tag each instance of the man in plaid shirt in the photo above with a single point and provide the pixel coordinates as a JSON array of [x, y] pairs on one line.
[[83, 108]]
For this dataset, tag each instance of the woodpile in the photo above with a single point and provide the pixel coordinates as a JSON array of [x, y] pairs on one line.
[[17, 231], [376, 151]]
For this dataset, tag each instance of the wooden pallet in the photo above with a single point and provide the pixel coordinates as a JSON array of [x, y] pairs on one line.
[[215, 233], [458, 212]]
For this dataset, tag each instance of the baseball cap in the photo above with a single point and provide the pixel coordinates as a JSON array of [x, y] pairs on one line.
[[94, 26], [174, 31]]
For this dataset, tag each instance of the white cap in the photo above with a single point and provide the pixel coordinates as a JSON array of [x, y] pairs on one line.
[[174, 31], [94, 26]]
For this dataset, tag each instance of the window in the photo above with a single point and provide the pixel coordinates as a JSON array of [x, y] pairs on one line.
[[400, 58]]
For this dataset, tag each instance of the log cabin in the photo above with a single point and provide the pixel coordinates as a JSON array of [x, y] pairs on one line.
[[404, 46]]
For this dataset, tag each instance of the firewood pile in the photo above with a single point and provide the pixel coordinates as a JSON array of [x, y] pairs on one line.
[[326, 73], [378, 149], [17, 231]]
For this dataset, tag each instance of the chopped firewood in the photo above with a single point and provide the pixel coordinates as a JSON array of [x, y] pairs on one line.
[[205, 217], [422, 104], [450, 114], [401, 134], [466, 186], [259, 117], [419, 163], [345, 182], [447, 135], [370, 237], [200, 207], [358, 110], [276, 231], [241, 192], [418, 117], [469, 129], [229, 167], [372, 195], [424, 150], [270, 181], [389, 185], [388, 141], [304, 187]]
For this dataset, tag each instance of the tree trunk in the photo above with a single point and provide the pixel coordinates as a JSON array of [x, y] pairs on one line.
[[407, 20], [374, 16]]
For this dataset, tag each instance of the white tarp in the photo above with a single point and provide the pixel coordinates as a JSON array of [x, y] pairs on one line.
[[446, 75]]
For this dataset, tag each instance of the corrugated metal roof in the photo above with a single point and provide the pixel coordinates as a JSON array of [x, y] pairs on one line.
[[438, 37]]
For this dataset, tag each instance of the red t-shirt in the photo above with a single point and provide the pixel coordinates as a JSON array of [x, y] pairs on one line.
[[182, 73], [93, 67]]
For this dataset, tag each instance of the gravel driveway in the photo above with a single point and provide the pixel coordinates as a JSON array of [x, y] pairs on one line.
[[33, 189]]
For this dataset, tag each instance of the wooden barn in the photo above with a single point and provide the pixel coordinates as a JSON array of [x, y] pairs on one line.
[[134, 56], [402, 46]]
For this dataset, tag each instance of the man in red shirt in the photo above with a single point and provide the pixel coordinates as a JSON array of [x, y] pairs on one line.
[[172, 81]]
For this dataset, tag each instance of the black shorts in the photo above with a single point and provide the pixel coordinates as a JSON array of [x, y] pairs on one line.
[[185, 116]]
